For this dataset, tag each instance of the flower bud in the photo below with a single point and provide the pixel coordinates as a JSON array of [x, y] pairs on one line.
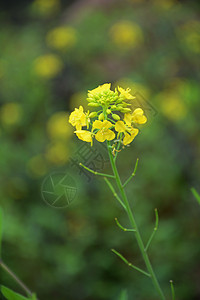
[[116, 117], [101, 117], [93, 114], [93, 104], [125, 110], [108, 111]]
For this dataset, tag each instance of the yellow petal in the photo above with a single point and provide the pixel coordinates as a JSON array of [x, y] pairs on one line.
[[97, 124], [84, 135], [128, 119], [100, 88], [125, 93], [110, 135], [128, 138], [107, 124], [120, 126], [100, 137], [138, 116]]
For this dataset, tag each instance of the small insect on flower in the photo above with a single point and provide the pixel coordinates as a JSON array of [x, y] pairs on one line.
[[111, 117]]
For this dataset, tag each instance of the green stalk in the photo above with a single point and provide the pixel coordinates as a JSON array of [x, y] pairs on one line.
[[134, 224]]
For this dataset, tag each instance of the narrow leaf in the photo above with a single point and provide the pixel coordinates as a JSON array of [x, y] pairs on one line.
[[196, 195], [10, 295]]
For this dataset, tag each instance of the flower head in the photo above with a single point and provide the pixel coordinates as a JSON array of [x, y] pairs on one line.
[[107, 120]]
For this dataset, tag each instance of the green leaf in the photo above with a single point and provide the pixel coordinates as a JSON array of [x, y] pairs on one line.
[[1, 227], [10, 295], [123, 295], [196, 195]]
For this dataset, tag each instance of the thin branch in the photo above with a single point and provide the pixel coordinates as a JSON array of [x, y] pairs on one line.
[[14, 276], [172, 289], [114, 193], [154, 230], [133, 174], [96, 173], [121, 227], [129, 264], [118, 146]]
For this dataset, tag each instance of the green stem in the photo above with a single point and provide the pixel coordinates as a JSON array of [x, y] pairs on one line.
[[134, 225], [14, 276]]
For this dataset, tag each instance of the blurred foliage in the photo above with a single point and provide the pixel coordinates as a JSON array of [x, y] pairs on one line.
[[51, 53]]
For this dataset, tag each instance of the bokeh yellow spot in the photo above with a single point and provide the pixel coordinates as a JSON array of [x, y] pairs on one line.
[[172, 105], [126, 34], [16, 188], [46, 7], [164, 4], [37, 166], [57, 153], [62, 37], [48, 66], [189, 35], [11, 113], [58, 127], [78, 99]]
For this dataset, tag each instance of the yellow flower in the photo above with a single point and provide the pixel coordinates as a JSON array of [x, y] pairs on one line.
[[104, 132], [137, 117], [62, 37], [125, 93], [101, 88], [84, 135], [48, 66], [129, 132], [78, 118]]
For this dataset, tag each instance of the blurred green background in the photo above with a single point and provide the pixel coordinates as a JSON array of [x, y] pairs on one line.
[[51, 53]]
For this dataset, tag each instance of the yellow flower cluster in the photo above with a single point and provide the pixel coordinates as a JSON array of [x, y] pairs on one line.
[[112, 120]]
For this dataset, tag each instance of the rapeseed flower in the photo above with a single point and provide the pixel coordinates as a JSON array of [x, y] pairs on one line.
[[104, 133], [111, 116], [78, 118]]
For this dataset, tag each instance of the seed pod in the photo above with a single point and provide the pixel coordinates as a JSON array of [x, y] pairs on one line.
[[108, 111], [101, 117], [93, 104], [93, 114], [116, 117]]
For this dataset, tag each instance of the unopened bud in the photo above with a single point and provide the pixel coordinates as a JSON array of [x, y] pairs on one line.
[[116, 117], [93, 104], [101, 117], [93, 114], [108, 111], [125, 110]]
